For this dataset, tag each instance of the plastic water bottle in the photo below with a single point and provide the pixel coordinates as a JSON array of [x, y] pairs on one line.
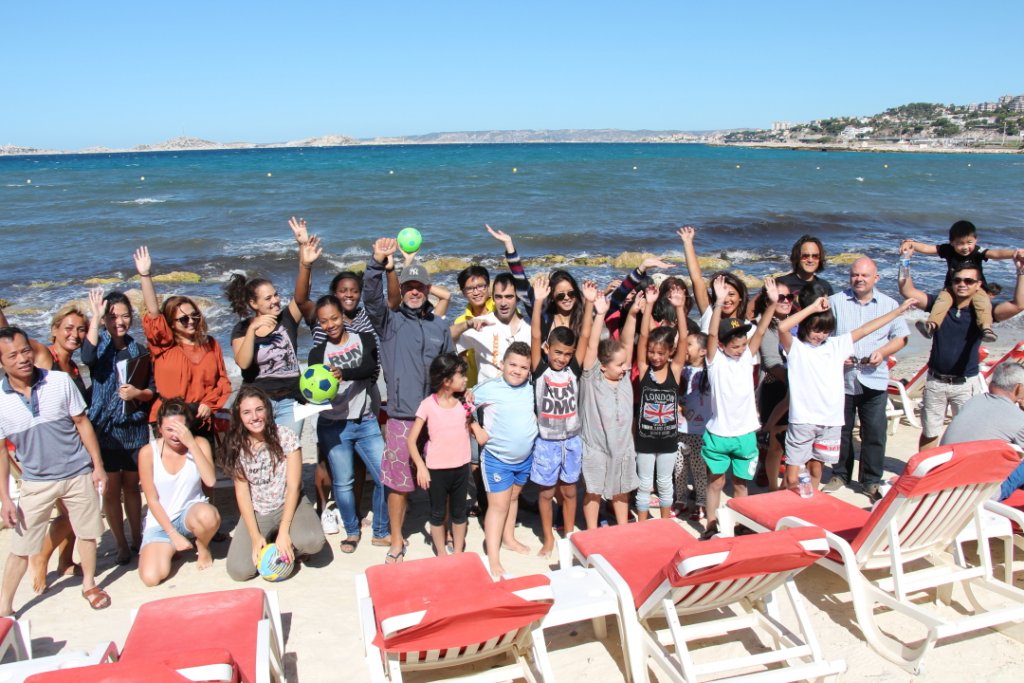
[[904, 271], [804, 482]]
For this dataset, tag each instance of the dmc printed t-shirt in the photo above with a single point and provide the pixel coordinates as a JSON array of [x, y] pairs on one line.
[[275, 365], [733, 411], [557, 393], [267, 477], [816, 387], [509, 419], [694, 406], [447, 444]]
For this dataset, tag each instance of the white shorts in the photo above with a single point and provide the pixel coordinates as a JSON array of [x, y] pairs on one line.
[[806, 442]]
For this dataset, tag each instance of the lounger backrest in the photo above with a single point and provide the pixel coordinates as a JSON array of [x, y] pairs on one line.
[[722, 571], [445, 607], [933, 500]]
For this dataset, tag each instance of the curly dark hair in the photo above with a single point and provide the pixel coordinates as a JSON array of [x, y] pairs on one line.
[[236, 441]]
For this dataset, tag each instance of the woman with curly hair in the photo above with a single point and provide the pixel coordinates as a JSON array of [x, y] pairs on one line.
[[265, 461]]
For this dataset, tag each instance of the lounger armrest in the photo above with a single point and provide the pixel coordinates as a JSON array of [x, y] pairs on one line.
[[1003, 510], [392, 625], [104, 652], [536, 593], [835, 542], [368, 628], [615, 580]]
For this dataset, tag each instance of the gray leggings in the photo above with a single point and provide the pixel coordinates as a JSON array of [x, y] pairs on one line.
[[306, 532]]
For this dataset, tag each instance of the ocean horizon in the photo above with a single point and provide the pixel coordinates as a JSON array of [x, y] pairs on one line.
[[71, 217]]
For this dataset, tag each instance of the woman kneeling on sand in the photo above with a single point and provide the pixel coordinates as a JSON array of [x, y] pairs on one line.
[[172, 470], [265, 460]]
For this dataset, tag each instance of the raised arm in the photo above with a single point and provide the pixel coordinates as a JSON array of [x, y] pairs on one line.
[[1000, 254], [772, 292], [628, 333], [677, 297], [882, 320], [590, 295], [700, 288], [618, 296], [786, 326], [909, 291], [300, 307], [144, 265], [600, 310], [541, 291], [919, 247], [650, 296], [374, 301], [1008, 309], [515, 266], [444, 298], [93, 334]]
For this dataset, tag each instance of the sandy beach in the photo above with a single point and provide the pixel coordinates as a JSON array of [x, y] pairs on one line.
[[321, 624]]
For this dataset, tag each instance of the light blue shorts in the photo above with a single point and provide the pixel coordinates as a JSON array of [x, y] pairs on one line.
[[499, 475], [555, 461], [158, 535]]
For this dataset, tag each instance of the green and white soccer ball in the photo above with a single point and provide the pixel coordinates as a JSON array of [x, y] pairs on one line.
[[318, 384]]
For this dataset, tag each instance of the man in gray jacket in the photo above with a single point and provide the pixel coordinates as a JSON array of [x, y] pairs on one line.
[[411, 337]]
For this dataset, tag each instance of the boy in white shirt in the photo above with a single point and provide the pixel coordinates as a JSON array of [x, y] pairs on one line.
[[730, 437], [816, 393]]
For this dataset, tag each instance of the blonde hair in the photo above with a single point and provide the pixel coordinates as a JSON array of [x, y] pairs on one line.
[[64, 311]]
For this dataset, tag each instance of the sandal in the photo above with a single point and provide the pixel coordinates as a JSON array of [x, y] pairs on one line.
[[395, 559], [710, 532], [97, 598], [348, 546], [382, 541]]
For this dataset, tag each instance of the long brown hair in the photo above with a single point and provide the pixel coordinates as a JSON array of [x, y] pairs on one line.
[[236, 442], [170, 310]]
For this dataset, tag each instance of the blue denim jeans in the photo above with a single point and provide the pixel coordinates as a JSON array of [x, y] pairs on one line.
[[284, 415], [340, 440]]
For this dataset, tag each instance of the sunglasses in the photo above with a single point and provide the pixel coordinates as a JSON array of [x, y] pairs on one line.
[[813, 257], [965, 280], [787, 297], [562, 296], [183, 319]]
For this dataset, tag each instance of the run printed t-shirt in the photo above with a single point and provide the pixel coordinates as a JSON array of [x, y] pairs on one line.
[[955, 260], [733, 411], [45, 437], [354, 398], [557, 393], [694, 406], [658, 414], [267, 477], [275, 365], [509, 419], [816, 386], [447, 443]]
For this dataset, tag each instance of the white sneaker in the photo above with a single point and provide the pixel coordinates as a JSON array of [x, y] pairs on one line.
[[329, 521]]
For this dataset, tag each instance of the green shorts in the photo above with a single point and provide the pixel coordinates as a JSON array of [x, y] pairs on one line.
[[739, 452]]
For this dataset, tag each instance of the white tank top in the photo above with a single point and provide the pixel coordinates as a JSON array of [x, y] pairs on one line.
[[176, 491]]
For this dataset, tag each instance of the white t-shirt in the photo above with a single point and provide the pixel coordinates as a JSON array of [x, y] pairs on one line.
[[490, 342], [733, 410], [816, 389]]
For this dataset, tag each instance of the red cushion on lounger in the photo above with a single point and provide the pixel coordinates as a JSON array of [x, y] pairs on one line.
[[841, 518], [6, 624], [223, 620], [637, 551], [974, 462], [118, 672], [1016, 500], [460, 602], [753, 555]]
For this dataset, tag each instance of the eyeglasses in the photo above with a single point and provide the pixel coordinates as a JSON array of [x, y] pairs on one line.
[[812, 257], [787, 297], [966, 280], [183, 319], [562, 296], [474, 288]]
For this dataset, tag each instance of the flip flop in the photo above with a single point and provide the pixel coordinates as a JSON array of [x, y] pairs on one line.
[[97, 598], [348, 546], [395, 559]]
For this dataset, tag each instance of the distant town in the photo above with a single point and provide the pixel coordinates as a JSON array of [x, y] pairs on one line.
[[920, 126]]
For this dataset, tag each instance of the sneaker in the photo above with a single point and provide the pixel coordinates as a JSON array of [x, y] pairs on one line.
[[987, 335], [925, 328], [834, 484], [329, 521]]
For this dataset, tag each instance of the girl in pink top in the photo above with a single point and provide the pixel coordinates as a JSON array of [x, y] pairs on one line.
[[445, 474]]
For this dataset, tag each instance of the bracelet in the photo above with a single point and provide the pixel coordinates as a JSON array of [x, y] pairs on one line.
[[1020, 271], [143, 274], [389, 270]]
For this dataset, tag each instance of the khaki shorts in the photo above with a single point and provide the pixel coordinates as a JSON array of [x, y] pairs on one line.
[[36, 504], [937, 395]]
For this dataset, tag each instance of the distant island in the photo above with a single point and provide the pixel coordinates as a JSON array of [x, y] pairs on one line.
[[987, 127]]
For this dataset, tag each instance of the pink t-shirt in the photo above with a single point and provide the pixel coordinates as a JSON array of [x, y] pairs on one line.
[[447, 434]]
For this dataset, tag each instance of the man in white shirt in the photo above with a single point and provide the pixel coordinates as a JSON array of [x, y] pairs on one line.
[[497, 330]]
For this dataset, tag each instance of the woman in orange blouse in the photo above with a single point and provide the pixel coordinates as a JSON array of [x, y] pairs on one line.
[[187, 363]]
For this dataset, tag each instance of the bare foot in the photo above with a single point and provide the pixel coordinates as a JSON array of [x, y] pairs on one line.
[[545, 550], [497, 571], [204, 560], [516, 547], [37, 569], [73, 569]]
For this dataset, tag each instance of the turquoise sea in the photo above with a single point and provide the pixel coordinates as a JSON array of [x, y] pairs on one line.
[[67, 218]]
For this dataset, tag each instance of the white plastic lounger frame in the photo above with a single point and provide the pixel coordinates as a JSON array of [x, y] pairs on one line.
[[910, 530], [522, 645], [18, 640], [15, 672], [753, 602]]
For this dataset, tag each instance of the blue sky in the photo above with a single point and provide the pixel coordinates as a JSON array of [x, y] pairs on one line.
[[119, 74]]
